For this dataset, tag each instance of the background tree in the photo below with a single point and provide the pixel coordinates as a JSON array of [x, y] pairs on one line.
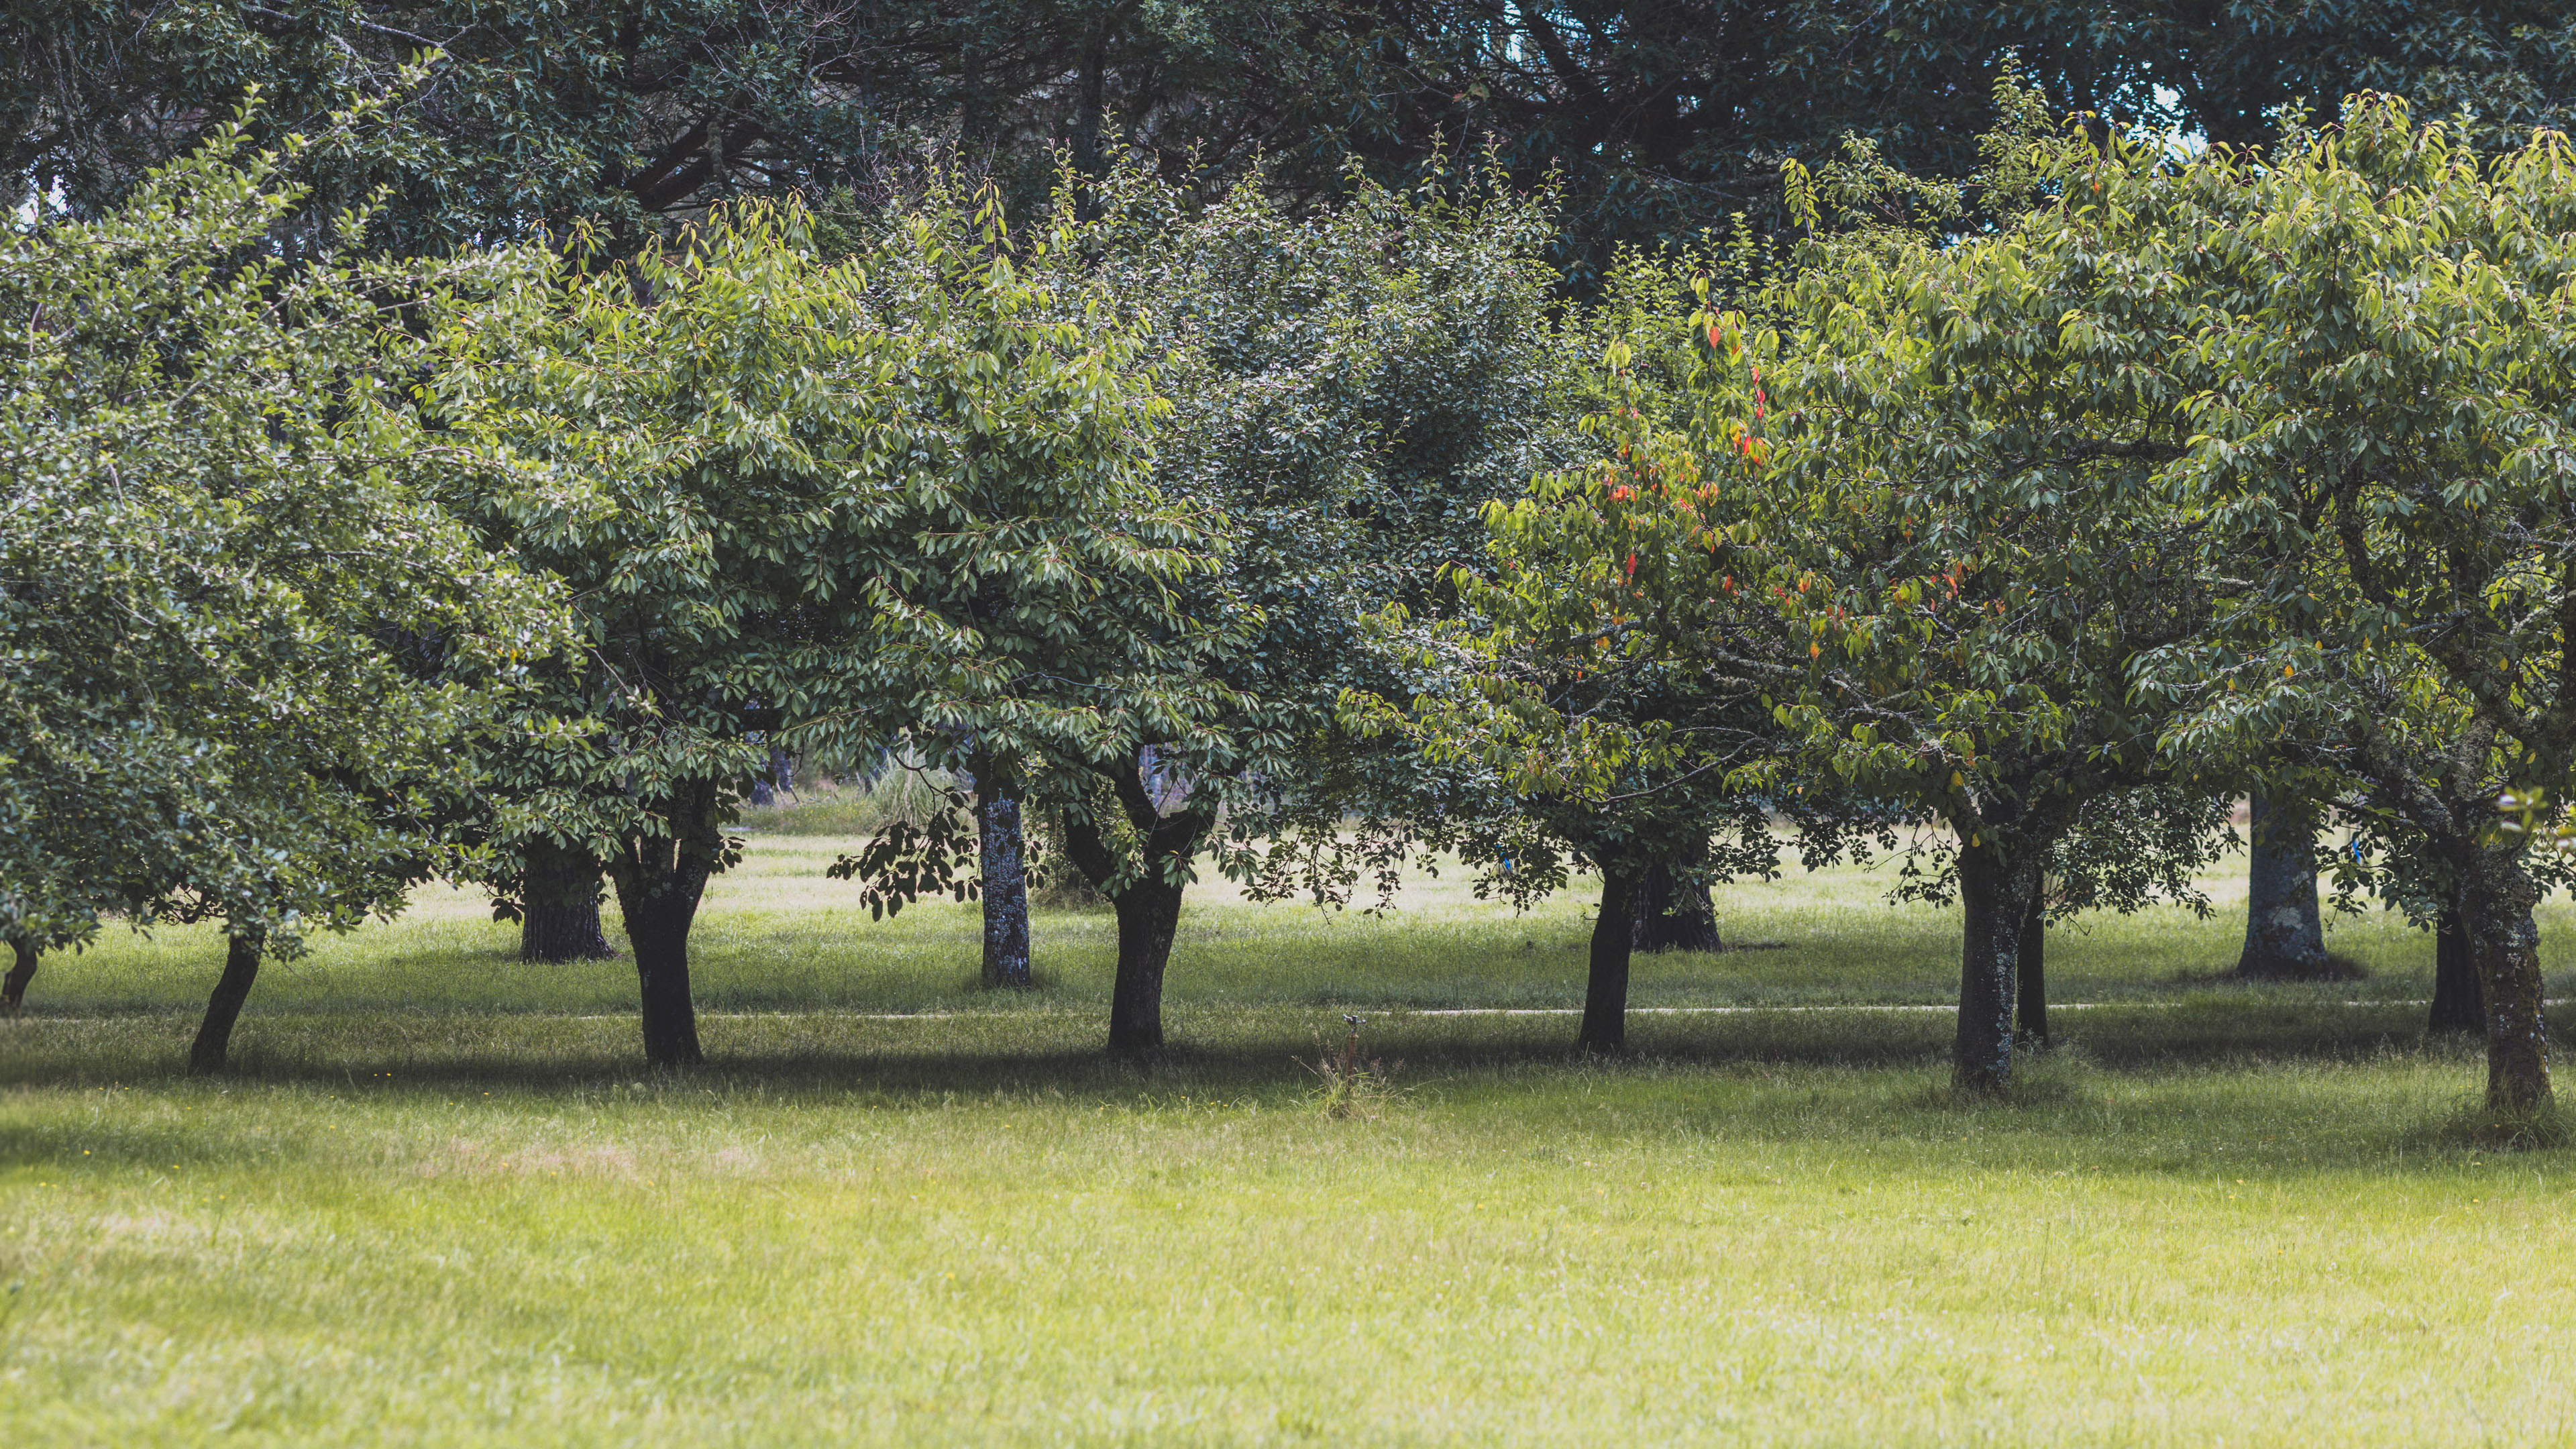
[[1670, 117], [2419, 780], [2126, 851], [2284, 935], [626, 115], [239, 641], [1662, 118]]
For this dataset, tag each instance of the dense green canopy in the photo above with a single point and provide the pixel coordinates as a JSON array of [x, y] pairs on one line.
[[240, 641]]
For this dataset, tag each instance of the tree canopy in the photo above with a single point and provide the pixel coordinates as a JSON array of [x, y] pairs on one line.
[[240, 640]]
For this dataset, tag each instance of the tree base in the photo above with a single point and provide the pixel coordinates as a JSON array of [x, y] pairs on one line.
[[2296, 968], [13, 988]]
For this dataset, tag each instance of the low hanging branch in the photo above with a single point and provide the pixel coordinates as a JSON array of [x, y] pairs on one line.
[[935, 857]]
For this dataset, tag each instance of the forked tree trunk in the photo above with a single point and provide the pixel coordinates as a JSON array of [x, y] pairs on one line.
[[1149, 909], [559, 907], [1605, 991], [1671, 916], [2284, 939], [1149, 912], [2031, 1020], [13, 989], [1005, 890], [1994, 900], [660, 882], [2497, 910], [2455, 978], [215, 1033]]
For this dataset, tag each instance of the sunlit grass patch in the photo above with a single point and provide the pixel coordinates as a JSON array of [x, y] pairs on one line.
[[440, 1201]]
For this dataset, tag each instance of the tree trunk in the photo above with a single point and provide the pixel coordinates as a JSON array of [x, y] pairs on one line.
[[2498, 905], [1149, 908], [1605, 994], [559, 906], [2031, 1020], [1994, 896], [1672, 917], [1005, 882], [659, 884], [658, 918], [215, 1035], [1149, 912], [13, 989], [779, 779], [1090, 116], [2456, 1007], [2284, 940]]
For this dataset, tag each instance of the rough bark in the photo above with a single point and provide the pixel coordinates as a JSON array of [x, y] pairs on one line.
[[1994, 898], [559, 909], [1005, 888], [215, 1034], [2496, 908], [1672, 917], [1605, 992], [659, 884], [2031, 990], [2284, 938], [13, 988], [2456, 1007]]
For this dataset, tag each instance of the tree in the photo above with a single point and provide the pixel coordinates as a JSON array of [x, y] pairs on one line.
[[1027, 582], [1350, 384], [239, 641], [630, 115], [1929, 523], [1555, 730], [2385, 451], [698, 439], [1344, 389], [2284, 938]]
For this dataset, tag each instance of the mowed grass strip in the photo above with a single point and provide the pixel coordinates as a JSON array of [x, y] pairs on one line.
[[1516, 1250]]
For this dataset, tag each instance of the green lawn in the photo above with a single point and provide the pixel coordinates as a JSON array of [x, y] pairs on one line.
[[442, 1204]]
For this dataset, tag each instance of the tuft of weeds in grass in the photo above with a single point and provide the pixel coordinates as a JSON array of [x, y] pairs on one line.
[[2048, 1077], [2498, 1129], [1348, 1087]]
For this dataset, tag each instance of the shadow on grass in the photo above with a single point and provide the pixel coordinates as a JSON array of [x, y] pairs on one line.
[[2338, 969], [2179, 1093], [1240, 1050]]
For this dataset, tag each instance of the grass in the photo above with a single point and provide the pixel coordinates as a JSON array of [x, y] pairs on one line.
[[442, 1205]]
